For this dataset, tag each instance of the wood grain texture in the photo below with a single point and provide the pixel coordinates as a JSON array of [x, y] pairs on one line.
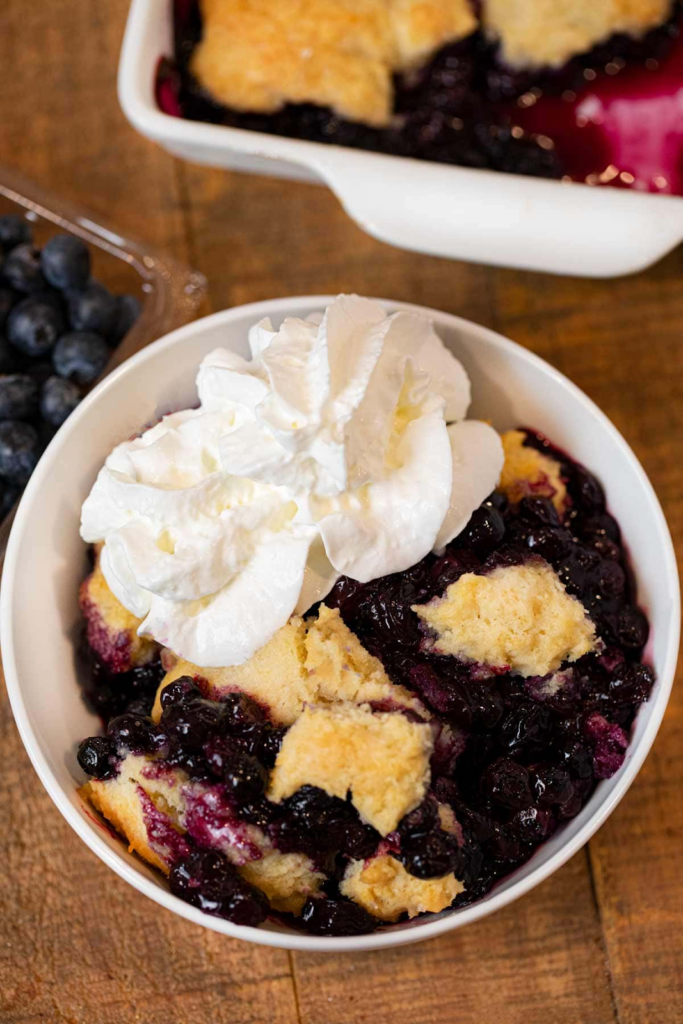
[[601, 941]]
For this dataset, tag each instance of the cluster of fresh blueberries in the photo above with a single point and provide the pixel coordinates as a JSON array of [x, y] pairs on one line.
[[57, 329], [522, 758], [454, 111]]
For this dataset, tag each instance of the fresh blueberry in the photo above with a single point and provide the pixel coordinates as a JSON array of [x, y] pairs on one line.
[[13, 231], [22, 269], [58, 399], [80, 356], [8, 298], [207, 880], [39, 370], [93, 308], [19, 450], [8, 356], [96, 757], [65, 260], [336, 917], [34, 326], [9, 496], [18, 397], [128, 309]]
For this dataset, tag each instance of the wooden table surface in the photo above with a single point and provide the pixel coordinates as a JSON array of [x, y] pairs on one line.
[[600, 941]]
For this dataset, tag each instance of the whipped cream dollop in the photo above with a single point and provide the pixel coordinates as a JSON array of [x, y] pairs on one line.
[[340, 447]]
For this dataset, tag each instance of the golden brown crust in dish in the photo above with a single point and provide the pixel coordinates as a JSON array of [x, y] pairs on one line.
[[538, 33], [258, 55]]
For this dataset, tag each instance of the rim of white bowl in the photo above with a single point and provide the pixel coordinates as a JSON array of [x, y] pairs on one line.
[[426, 928]]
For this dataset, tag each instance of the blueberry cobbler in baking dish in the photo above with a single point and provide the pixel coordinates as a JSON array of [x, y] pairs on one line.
[[356, 655], [584, 90]]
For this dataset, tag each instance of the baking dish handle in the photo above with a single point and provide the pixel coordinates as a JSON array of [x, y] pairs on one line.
[[503, 219]]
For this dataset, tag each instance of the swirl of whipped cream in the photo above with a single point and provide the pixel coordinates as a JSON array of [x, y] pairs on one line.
[[340, 447]]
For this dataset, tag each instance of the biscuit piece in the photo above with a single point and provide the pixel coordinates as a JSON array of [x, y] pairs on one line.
[[382, 758], [151, 804], [538, 33], [320, 661], [528, 473], [258, 55], [111, 630], [384, 888], [517, 618], [287, 879]]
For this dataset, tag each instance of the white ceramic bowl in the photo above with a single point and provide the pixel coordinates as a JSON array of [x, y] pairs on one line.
[[481, 216], [46, 561]]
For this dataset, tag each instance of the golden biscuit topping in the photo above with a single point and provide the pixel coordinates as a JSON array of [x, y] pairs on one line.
[[319, 661], [258, 55], [517, 618], [384, 888], [538, 33], [528, 473], [382, 759]]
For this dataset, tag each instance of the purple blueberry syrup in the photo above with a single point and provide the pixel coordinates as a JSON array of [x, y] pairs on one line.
[[513, 757], [611, 117]]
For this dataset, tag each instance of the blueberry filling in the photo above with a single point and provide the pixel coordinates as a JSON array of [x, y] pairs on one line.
[[467, 108], [513, 757]]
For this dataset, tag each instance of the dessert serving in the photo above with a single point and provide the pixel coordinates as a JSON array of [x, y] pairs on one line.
[[357, 656], [584, 90]]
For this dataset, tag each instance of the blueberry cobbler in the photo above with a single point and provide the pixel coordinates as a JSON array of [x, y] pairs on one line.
[[583, 90], [356, 655]]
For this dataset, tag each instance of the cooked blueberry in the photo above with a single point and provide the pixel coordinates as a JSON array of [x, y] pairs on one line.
[[18, 397], [22, 269], [13, 231], [531, 825], [180, 691], [191, 723], [137, 733], [631, 683], [58, 399], [245, 779], [539, 510], [241, 712], [508, 784], [484, 531], [128, 309], [80, 356], [207, 880], [19, 450], [357, 840], [96, 757], [599, 525], [93, 308], [313, 808], [551, 785], [336, 917], [610, 579], [269, 743], [34, 326], [432, 855], [633, 628], [8, 299], [65, 260], [589, 492]]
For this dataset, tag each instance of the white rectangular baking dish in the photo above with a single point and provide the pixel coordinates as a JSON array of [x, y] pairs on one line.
[[461, 213]]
